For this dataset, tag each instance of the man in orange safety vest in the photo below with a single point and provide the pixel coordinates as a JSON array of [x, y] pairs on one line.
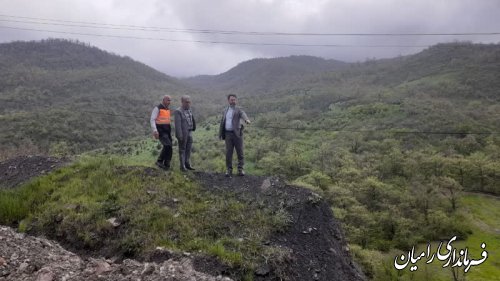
[[160, 124]]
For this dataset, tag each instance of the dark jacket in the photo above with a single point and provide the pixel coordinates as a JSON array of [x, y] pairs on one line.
[[181, 124], [238, 114]]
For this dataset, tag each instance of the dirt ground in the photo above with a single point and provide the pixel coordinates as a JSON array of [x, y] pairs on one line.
[[21, 169], [317, 247]]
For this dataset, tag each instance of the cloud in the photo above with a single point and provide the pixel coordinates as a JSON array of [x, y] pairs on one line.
[[309, 16]]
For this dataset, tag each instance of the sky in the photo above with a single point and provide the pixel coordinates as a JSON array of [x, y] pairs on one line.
[[166, 34]]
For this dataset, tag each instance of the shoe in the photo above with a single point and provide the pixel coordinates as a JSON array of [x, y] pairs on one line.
[[229, 173], [183, 169], [241, 173], [190, 168], [161, 165]]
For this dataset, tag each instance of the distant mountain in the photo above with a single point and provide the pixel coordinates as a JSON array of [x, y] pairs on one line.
[[59, 94], [55, 94], [453, 86], [476, 63], [262, 75], [60, 66]]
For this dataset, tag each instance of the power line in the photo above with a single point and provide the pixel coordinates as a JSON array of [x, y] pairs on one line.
[[87, 111], [93, 26], [217, 42], [232, 32], [274, 127], [114, 114], [378, 130]]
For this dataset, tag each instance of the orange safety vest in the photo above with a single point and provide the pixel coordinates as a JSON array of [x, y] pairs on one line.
[[163, 115]]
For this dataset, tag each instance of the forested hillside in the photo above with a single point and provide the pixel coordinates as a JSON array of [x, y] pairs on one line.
[[396, 146], [56, 96], [264, 75], [393, 144]]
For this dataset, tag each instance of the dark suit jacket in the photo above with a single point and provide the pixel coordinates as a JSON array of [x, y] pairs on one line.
[[238, 114], [181, 124]]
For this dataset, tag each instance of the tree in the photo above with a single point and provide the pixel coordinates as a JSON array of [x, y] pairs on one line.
[[425, 196], [450, 188], [479, 161]]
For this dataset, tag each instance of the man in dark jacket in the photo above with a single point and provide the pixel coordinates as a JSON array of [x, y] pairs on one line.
[[184, 126], [160, 124], [231, 130]]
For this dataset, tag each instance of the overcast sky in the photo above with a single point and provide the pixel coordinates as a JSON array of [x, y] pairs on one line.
[[285, 16]]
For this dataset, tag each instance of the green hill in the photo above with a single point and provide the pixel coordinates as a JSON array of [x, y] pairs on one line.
[[264, 75], [447, 87], [393, 144], [55, 96]]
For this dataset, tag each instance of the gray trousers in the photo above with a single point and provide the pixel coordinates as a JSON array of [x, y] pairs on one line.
[[232, 143], [185, 151]]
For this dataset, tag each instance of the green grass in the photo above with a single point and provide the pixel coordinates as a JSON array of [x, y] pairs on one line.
[[485, 209], [483, 215], [144, 151], [169, 210], [134, 152]]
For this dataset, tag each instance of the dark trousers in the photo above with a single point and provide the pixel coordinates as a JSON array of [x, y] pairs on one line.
[[185, 151], [233, 142], [166, 152]]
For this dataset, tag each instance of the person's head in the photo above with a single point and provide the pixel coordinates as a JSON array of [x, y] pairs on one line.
[[166, 100], [186, 101], [231, 99]]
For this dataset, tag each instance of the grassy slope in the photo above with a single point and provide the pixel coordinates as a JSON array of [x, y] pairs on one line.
[[74, 203], [50, 91], [481, 213], [435, 90]]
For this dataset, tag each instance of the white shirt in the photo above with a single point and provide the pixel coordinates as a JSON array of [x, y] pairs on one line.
[[152, 120], [229, 119]]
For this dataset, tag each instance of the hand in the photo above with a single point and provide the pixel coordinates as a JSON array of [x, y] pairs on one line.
[[247, 121], [156, 135]]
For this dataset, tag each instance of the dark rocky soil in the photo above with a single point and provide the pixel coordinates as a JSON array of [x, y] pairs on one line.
[[21, 169], [313, 238]]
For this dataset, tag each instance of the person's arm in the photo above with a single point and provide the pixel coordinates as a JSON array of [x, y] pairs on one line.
[[194, 124], [244, 116], [178, 128], [152, 121], [222, 125]]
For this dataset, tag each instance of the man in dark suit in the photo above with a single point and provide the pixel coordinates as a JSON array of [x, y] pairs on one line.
[[231, 130], [184, 126]]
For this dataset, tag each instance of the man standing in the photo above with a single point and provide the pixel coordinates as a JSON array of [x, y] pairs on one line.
[[160, 123], [184, 126], [231, 130]]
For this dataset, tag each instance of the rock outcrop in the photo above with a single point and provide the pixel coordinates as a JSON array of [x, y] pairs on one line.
[[24, 258]]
